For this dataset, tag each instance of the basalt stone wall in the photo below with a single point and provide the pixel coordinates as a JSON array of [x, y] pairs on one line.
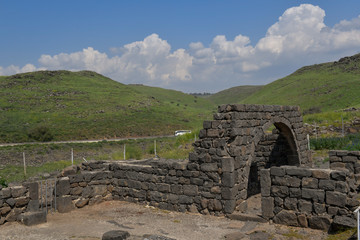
[[235, 140], [349, 160], [315, 198], [17, 200]]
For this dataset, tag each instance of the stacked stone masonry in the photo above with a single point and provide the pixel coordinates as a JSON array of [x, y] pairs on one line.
[[315, 198]]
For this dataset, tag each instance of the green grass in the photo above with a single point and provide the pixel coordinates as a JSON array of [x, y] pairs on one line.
[[63, 105], [322, 87], [331, 118], [233, 95], [15, 173], [349, 142]]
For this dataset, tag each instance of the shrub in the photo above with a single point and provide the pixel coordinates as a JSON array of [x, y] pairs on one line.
[[41, 133]]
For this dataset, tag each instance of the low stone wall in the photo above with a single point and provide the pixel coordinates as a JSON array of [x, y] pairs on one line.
[[349, 160], [315, 198], [17, 200]]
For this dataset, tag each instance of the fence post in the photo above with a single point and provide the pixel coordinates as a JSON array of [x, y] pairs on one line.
[[124, 151], [155, 148], [308, 139], [72, 156], [342, 126], [24, 164], [55, 196]]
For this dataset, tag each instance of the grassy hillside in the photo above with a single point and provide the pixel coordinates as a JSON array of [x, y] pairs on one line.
[[233, 95], [63, 105], [321, 87]]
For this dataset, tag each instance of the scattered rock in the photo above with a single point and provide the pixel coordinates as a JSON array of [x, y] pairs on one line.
[[115, 235]]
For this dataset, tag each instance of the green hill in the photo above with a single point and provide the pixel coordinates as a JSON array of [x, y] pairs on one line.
[[233, 95], [321, 87], [63, 105]]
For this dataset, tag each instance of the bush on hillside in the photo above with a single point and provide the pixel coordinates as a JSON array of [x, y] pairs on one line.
[[41, 133]]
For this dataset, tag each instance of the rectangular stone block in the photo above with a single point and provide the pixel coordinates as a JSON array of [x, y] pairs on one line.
[[297, 171], [34, 191], [277, 171], [64, 204], [267, 206], [336, 198], [227, 164], [228, 179], [265, 182], [228, 193], [308, 182], [33, 218], [313, 194]]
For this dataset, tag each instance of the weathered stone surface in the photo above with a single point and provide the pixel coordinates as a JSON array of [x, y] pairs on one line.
[[336, 198], [81, 202], [64, 204], [267, 206], [63, 186], [313, 194], [321, 173], [279, 191], [300, 172], [338, 175], [286, 218], [302, 219], [33, 218], [341, 222], [320, 222], [115, 235], [18, 191], [305, 206], [265, 182], [277, 171], [308, 182]]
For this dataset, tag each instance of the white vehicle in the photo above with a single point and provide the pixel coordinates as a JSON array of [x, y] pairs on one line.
[[181, 132]]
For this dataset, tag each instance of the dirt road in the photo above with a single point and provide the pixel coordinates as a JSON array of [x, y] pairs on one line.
[[91, 222]]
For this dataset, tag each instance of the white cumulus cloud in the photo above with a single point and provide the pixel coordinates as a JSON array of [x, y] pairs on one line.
[[299, 37]]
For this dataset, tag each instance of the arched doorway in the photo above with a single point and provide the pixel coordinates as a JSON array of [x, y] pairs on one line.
[[275, 148]]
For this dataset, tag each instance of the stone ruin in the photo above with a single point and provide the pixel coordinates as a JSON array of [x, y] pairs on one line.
[[245, 150]]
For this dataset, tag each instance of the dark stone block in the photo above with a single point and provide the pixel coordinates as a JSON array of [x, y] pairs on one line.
[[295, 192], [33, 206], [190, 190], [314, 194], [63, 187], [115, 235], [297, 171], [279, 191], [320, 222], [64, 204], [305, 206], [267, 206], [286, 218], [34, 191], [265, 182], [308, 182], [228, 179], [336, 199], [33, 218], [341, 222], [338, 175], [327, 184]]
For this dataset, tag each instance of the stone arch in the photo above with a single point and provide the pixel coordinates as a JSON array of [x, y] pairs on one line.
[[272, 149], [228, 143]]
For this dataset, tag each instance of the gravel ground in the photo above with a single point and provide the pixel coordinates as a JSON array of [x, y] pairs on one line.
[[91, 222]]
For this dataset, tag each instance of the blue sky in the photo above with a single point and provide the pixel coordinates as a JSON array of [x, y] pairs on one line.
[[192, 46]]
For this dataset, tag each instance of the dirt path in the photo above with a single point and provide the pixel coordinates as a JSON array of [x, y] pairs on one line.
[[91, 222]]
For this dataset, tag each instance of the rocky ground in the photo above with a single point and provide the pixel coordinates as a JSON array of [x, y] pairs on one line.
[[91, 222]]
